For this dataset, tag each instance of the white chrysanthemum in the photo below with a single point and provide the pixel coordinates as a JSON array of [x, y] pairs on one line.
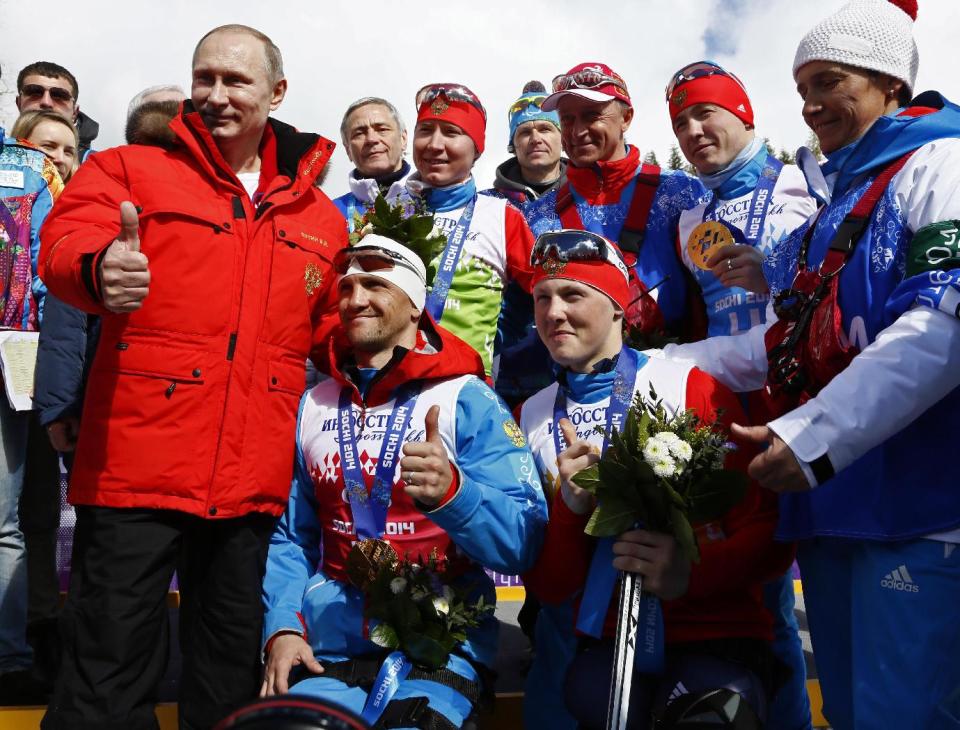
[[681, 450], [397, 585], [664, 467], [654, 450], [668, 437], [441, 604]]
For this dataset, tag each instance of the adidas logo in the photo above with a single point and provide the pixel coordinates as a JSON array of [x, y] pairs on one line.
[[900, 580], [742, 108], [678, 691]]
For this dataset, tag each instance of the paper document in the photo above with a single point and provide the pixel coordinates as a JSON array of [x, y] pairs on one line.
[[18, 358]]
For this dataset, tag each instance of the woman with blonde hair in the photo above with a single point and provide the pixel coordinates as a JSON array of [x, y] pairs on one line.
[[56, 135]]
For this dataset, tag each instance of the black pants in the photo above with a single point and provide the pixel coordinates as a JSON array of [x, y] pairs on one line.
[[39, 521], [114, 625]]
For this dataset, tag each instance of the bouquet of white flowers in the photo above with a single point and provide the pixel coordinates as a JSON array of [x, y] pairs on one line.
[[664, 472]]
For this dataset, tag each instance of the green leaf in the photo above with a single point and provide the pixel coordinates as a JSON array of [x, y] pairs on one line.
[[384, 635], [425, 651], [611, 516], [683, 533], [713, 496], [588, 479]]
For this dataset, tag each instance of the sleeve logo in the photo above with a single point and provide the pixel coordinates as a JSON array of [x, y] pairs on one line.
[[936, 246]]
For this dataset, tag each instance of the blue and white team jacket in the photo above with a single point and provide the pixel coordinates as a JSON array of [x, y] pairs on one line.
[[731, 310], [657, 262], [364, 190], [496, 519], [886, 421]]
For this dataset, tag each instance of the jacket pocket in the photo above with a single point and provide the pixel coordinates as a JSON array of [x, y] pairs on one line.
[[151, 420], [300, 271]]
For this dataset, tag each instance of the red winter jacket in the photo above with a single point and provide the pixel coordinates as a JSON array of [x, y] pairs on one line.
[[192, 400], [737, 553]]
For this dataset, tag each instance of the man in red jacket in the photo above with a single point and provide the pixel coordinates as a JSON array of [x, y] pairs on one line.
[[717, 630], [212, 291]]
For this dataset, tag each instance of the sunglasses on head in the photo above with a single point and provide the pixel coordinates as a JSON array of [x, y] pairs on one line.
[[370, 259], [698, 70], [452, 92], [521, 105], [36, 91], [588, 79], [571, 245]]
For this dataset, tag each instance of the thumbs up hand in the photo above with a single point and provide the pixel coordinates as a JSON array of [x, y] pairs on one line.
[[124, 271], [425, 468]]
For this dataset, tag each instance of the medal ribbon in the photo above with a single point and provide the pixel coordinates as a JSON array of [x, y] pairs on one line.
[[602, 576], [370, 510], [448, 263], [759, 204], [394, 670]]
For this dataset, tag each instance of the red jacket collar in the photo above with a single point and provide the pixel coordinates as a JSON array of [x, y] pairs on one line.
[[602, 182], [305, 155], [438, 354]]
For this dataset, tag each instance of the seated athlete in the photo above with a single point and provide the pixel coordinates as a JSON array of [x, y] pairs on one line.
[[717, 630], [465, 486]]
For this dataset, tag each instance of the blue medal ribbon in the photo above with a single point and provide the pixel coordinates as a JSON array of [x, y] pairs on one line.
[[394, 670], [448, 263], [602, 577], [370, 510], [759, 205]]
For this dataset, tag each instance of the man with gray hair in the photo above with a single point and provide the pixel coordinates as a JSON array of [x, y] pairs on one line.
[[375, 139], [210, 266]]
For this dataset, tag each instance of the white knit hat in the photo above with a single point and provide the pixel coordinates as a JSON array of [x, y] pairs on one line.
[[876, 35]]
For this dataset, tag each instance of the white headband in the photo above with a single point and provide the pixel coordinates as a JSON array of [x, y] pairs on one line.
[[409, 275]]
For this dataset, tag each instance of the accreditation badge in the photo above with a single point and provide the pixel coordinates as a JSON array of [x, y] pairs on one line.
[[705, 240]]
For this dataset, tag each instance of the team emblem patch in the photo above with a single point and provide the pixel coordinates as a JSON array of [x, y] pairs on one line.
[[679, 97], [312, 278], [554, 266], [439, 106], [514, 434], [705, 240]]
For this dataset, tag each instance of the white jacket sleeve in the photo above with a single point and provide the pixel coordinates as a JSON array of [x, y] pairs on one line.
[[737, 361], [896, 378]]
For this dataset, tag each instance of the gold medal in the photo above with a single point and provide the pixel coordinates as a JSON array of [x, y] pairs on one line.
[[705, 240], [312, 278], [365, 560]]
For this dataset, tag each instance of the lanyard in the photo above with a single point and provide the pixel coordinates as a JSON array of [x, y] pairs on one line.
[[448, 263], [759, 203], [370, 510], [393, 670], [602, 577], [621, 396]]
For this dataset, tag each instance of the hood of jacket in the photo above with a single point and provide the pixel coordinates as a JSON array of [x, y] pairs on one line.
[[509, 179], [927, 118], [438, 354]]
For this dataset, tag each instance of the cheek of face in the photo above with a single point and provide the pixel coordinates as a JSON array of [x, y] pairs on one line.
[[574, 320]]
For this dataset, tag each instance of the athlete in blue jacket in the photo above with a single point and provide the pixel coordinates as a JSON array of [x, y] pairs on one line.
[[870, 494], [466, 486]]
